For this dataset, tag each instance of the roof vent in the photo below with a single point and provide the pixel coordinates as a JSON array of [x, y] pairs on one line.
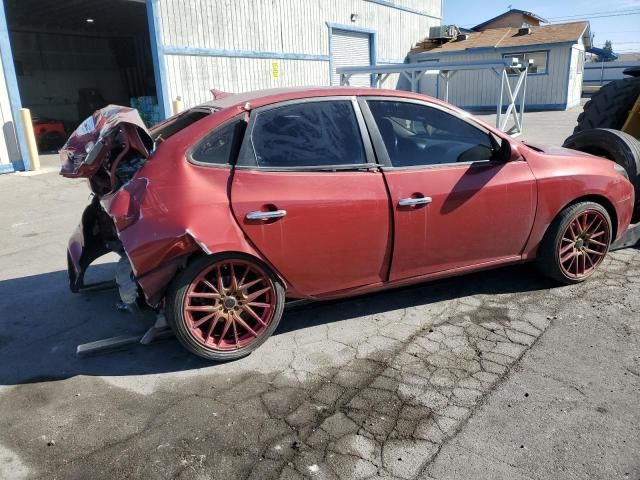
[[524, 31], [461, 37]]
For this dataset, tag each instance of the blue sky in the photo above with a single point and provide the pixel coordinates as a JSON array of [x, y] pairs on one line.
[[623, 29]]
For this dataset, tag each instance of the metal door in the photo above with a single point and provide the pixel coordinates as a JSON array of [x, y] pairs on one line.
[[350, 49]]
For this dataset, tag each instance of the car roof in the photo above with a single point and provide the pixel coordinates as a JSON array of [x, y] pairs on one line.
[[259, 98]]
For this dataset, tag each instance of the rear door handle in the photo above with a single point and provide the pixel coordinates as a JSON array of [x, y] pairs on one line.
[[409, 202], [265, 215]]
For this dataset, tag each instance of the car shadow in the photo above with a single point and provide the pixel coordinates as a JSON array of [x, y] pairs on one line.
[[469, 184], [42, 322]]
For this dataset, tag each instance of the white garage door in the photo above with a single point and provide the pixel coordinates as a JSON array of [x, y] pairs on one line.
[[350, 49]]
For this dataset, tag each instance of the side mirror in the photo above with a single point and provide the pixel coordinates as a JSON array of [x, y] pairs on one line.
[[508, 151], [514, 152]]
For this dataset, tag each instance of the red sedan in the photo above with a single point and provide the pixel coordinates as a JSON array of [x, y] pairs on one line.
[[225, 210]]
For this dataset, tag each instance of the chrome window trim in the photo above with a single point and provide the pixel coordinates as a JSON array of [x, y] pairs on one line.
[[477, 163], [327, 168]]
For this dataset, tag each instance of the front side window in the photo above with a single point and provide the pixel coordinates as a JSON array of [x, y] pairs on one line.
[[538, 66], [416, 135], [306, 135]]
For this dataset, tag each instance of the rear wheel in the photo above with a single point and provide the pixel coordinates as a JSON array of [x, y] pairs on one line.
[[576, 243], [223, 307]]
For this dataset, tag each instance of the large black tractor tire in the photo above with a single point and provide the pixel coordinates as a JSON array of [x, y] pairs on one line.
[[610, 106], [615, 145]]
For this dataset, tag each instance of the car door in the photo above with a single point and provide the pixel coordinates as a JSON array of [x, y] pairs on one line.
[[309, 196], [454, 203]]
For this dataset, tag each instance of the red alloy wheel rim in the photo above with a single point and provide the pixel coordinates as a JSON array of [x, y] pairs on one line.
[[584, 244], [229, 305]]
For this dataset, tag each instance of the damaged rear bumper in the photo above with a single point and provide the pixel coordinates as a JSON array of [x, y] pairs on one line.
[[92, 238], [96, 235]]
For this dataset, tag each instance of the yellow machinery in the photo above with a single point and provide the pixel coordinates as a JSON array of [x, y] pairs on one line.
[[609, 127], [632, 124]]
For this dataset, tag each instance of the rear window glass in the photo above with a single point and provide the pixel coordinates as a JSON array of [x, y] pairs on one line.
[[166, 129], [309, 134]]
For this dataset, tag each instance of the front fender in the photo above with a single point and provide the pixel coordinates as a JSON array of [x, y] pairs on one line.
[[562, 181]]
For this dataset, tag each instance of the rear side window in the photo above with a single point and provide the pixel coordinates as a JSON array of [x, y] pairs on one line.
[[220, 146], [309, 134]]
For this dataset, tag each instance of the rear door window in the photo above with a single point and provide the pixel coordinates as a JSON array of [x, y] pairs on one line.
[[307, 135]]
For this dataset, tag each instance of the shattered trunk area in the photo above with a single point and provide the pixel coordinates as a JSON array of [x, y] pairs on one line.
[[108, 148]]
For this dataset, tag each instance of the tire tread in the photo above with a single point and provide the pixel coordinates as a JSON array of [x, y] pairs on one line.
[[610, 106]]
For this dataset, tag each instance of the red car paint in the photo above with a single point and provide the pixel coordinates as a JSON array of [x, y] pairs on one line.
[[344, 233]]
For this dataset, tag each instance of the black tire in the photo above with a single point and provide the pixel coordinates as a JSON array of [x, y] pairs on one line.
[[609, 107], [614, 145], [175, 301], [548, 258]]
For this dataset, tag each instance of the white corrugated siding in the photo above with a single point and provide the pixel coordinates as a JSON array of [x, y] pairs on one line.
[[480, 88], [350, 49], [193, 77], [287, 26]]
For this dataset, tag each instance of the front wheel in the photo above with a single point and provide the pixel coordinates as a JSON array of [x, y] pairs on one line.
[[576, 243], [222, 307]]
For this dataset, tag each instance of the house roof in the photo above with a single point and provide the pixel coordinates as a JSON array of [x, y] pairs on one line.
[[509, 37], [509, 12]]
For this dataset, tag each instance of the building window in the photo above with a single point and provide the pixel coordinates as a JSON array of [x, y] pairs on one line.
[[539, 66]]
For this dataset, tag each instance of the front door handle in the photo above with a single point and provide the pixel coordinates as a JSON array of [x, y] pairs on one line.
[[265, 215], [410, 202]]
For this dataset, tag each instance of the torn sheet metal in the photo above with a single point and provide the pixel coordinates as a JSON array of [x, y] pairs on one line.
[[91, 143], [127, 286]]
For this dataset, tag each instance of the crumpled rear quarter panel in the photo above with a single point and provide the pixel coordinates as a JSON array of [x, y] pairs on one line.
[[185, 209]]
